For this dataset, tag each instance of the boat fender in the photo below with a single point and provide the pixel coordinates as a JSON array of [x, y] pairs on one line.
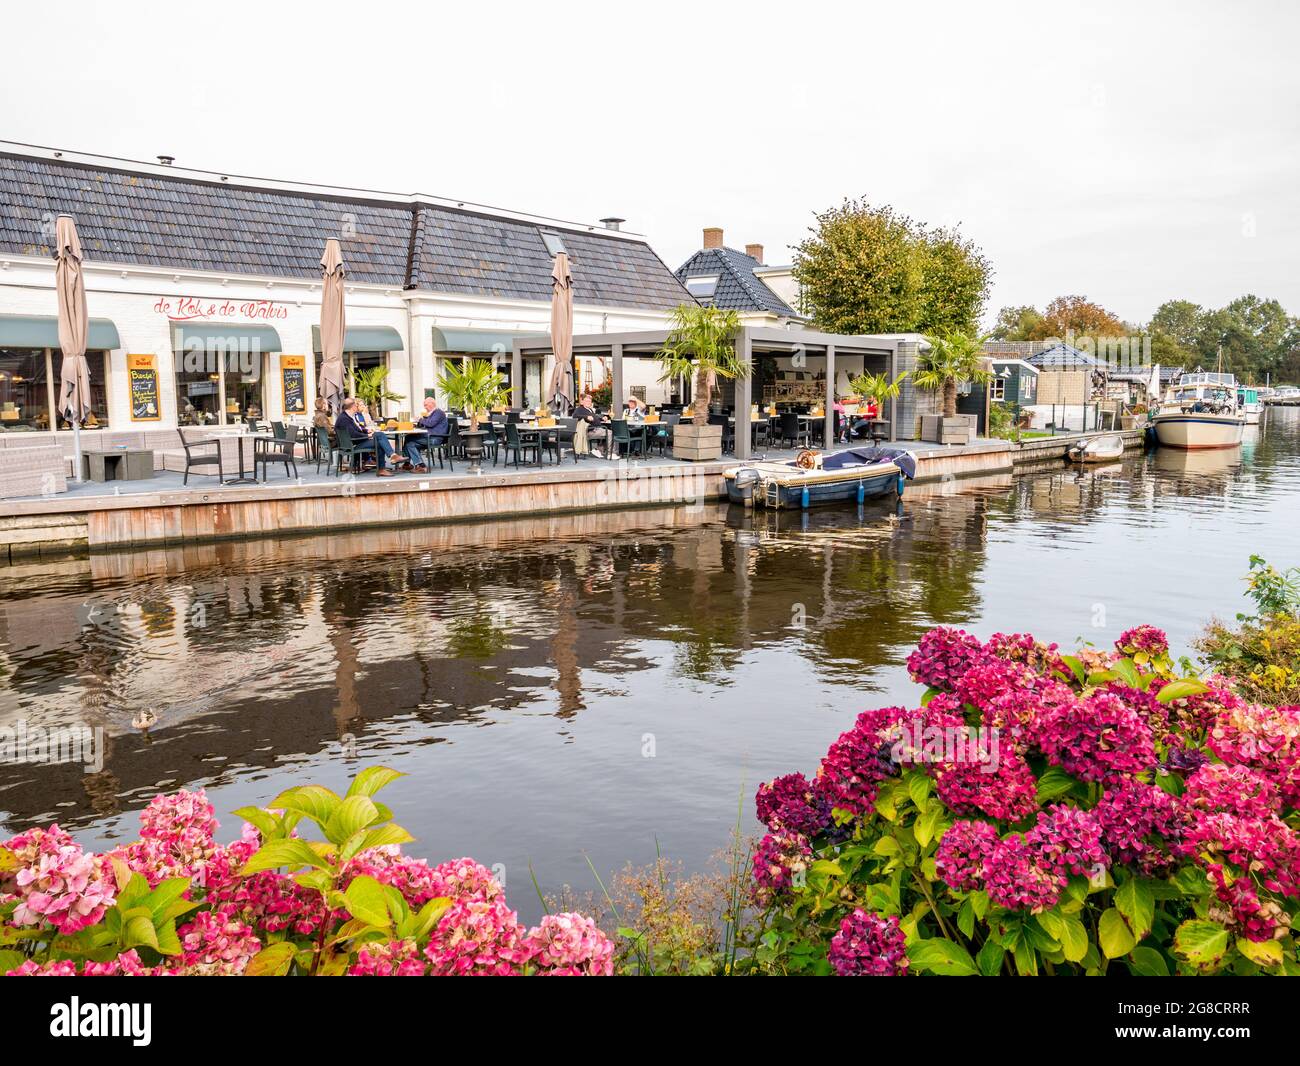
[[862, 492], [901, 481], [803, 498]]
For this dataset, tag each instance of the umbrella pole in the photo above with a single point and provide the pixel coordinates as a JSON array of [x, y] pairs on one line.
[[76, 447]]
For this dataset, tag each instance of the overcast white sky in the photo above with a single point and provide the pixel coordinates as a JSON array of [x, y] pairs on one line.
[[1133, 152]]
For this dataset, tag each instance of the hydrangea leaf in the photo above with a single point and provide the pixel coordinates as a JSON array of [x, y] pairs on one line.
[[1114, 935]]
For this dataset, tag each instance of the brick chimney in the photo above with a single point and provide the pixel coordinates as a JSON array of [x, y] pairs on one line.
[[712, 237], [756, 251]]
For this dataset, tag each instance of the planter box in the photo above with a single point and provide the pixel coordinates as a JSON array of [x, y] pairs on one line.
[[697, 443], [956, 430]]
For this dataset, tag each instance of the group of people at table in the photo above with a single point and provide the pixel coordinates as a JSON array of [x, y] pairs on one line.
[[373, 444]]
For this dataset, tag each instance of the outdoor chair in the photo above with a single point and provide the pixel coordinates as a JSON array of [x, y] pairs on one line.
[[515, 443], [657, 435], [325, 449], [278, 450], [198, 458], [350, 450], [623, 441], [793, 431], [437, 448], [728, 431]]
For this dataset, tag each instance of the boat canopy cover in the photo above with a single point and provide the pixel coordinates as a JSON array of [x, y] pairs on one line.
[[904, 460]]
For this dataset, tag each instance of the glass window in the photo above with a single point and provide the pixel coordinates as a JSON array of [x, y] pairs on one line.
[[553, 242], [702, 288], [97, 363], [998, 389], [24, 389], [244, 379]]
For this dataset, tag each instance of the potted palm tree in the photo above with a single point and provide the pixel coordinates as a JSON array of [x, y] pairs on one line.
[[700, 347], [877, 388], [473, 387], [952, 358], [371, 388]]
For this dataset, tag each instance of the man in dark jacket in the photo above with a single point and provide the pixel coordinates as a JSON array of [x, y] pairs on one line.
[[363, 437], [434, 420]]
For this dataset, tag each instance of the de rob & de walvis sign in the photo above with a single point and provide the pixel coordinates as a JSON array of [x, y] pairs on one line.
[[197, 309]]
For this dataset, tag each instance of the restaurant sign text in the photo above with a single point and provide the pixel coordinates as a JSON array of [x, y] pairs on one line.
[[196, 309]]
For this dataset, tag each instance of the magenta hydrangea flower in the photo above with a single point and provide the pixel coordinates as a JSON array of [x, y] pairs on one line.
[[1068, 840], [988, 680], [859, 760], [780, 860], [477, 937], [570, 945], [793, 802], [1003, 787], [1265, 847], [1223, 788], [1018, 876], [962, 853], [1100, 738], [1023, 648], [176, 838], [1267, 739], [397, 958], [1243, 911], [868, 945], [1140, 823], [1143, 639], [943, 656]]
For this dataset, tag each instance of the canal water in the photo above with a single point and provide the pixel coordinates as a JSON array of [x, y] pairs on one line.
[[594, 687]]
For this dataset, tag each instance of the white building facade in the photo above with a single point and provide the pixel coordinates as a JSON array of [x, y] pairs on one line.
[[204, 289]]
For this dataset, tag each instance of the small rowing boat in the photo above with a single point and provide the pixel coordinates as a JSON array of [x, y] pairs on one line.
[[1103, 449], [812, 479]]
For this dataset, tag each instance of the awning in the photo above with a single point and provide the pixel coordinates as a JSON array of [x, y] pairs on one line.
[[224, 337], [365, 339], [477, 340], [42, 331]]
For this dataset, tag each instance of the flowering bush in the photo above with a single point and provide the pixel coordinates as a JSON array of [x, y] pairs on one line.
[[175, 902], [1040, 812]]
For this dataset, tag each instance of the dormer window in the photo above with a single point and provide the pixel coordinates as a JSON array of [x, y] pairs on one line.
[[703, 287]]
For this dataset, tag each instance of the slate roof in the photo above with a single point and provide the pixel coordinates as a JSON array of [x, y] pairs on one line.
[[739, 288], [1064, 355], [183, 223]]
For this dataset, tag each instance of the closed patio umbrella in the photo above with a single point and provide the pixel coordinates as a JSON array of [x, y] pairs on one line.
[[561, 389], [74, 327], [333, 326]]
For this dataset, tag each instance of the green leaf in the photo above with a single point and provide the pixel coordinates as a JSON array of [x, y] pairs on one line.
[[1114, 935], [918, 787], [1177, 690], [290, 852], [168, 942], [384, 836], [1128, 673], [367, 900], [351, 816], [1267, 953], [923, 828], [1200, 942], [1148, 962], [1135, 901], [1075, 667], [433, 910], [1074, 939], [372, 779], [267, 824], [1054, 783], [990, 958], [942, 957], [11, 960], [966, 919], [159, 901], [314, 801], [1026, 959], [273, 960], [825, 868], [140, 930]]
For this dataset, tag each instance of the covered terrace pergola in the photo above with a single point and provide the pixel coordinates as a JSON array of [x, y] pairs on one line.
[[878, 354]]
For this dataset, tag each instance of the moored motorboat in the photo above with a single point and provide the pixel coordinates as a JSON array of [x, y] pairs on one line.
[[1103, 449], [1200, 411], [1249, 404], [813, 479]]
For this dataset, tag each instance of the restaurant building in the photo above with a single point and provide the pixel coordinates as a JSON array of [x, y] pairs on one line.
[[204, 288]]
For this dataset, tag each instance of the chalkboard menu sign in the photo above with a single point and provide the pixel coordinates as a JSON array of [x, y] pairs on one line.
[[293, 379], [142, 378]]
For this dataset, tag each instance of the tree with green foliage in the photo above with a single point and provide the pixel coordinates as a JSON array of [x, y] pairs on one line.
[[701, 346], [868, 269], [1016, 323], [951, 359]]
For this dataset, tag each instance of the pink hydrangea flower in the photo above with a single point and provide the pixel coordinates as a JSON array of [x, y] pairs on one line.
[[944, 655], [1068, 840], [1144, 639], [1100, 738], [962, 853], [570, 945], [1267, 739], [60, 884], [215, 943], [868, 945], [1140, 823], [1018, 876], [397, 958], [859, 760], [477, 936], [1219, 787], [1004, 788], [793, 802], [779, 861]]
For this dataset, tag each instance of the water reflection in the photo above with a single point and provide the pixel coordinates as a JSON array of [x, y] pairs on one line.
[[516, 669]]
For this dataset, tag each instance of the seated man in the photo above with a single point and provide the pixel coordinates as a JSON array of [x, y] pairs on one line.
[[353, 422], [434, 420], [597, 434]]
